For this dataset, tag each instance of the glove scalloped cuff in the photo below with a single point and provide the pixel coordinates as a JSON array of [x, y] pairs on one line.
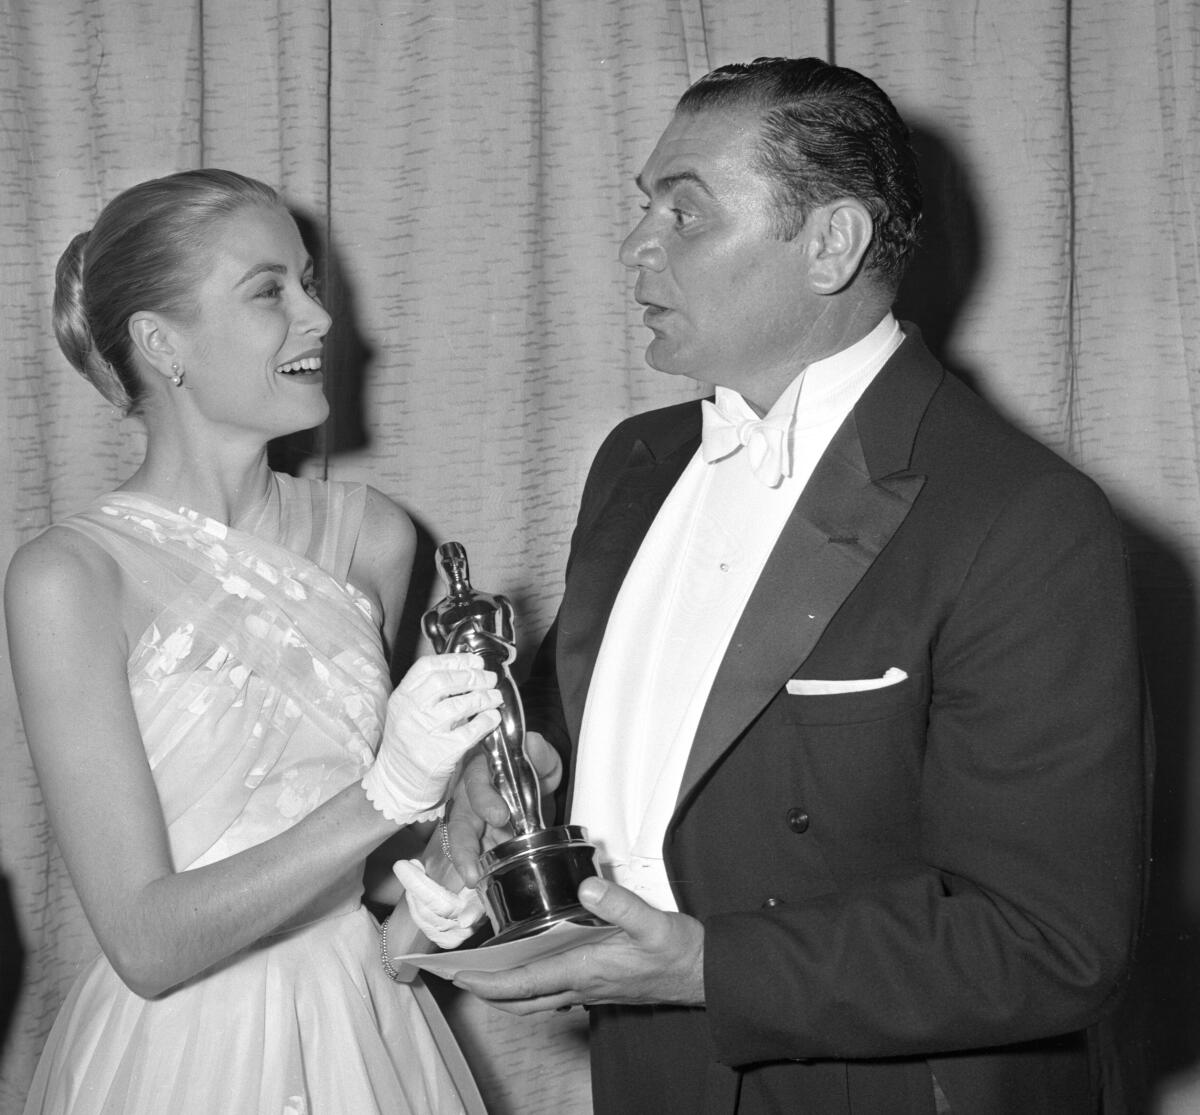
[[398, 812]]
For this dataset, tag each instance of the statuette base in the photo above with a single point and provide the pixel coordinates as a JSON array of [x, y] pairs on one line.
[[531, 882]]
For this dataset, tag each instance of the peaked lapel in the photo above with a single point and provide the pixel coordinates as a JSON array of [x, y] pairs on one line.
[[858, 496]]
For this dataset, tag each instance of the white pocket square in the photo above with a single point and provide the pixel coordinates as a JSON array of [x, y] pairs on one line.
[[809, 687]]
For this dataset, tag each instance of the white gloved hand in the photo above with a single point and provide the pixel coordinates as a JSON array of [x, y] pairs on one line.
[[446, 918], [444, 705]]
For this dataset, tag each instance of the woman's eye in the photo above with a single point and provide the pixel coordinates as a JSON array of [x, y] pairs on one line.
[[271, 290]]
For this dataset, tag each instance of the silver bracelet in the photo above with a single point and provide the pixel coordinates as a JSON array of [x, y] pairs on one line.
[[383, 954], [445, 840]]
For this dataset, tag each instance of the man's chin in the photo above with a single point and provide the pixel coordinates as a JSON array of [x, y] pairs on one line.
[[665, 361]]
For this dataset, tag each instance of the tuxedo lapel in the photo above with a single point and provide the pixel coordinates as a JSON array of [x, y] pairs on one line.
[[841, 523], [858, 496], [606, 546]]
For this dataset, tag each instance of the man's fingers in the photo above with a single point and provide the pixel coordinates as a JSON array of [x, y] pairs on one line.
[[538, 982], [545, 761], [482, 797], [465, 827], [617, 906], [534, 1006]]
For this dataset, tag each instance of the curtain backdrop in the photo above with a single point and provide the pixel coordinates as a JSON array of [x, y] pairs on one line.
[[465, 171]]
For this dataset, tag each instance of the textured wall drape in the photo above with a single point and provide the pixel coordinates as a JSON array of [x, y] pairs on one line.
[[466, 171]]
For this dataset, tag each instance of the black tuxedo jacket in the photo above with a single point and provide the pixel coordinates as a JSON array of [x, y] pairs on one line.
[[938, 880]]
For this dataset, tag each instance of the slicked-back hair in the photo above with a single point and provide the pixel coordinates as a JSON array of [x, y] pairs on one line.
[[827, 132], [147, 252]]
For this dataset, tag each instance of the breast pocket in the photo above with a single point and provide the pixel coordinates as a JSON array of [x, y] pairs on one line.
[[854, 764], [901, 700]]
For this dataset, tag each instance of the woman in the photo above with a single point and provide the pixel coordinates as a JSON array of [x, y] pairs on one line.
[[200, 659]]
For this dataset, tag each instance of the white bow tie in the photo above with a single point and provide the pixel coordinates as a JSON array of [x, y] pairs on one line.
[[766, 441]]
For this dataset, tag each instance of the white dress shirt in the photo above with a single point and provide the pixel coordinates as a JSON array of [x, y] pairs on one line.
[[677, 609]]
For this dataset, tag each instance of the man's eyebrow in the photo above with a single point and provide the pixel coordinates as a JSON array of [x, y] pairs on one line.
[[669, 181]]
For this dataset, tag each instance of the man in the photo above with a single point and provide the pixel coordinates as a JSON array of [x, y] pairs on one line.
[[845, 667]]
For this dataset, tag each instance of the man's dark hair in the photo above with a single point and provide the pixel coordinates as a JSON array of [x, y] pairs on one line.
[[827, 133]]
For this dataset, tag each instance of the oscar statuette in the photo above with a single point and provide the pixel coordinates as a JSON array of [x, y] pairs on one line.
[[530, 880]]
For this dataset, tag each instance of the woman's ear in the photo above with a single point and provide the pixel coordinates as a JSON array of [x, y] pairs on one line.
[[841, 234], [154, 341]]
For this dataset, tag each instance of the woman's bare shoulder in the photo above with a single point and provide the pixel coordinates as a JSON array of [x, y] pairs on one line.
[[60, 558], [62, 571], [383, 556]]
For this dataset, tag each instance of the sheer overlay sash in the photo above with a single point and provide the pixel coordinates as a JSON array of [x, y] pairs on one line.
[[260, 686]]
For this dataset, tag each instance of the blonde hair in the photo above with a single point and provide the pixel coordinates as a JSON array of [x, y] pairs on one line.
[[145, 253]]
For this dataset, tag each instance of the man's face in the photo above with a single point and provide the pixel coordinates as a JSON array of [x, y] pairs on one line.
[[727, 302]]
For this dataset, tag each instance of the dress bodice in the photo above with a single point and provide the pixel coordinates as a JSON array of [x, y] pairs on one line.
[[260, 684]]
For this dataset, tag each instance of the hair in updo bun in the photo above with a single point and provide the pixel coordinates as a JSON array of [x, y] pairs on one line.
[[146, 253], [75, 336]]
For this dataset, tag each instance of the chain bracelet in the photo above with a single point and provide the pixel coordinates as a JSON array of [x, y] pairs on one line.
[[383, 954]]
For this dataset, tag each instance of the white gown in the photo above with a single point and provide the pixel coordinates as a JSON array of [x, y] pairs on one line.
[[260, 689]]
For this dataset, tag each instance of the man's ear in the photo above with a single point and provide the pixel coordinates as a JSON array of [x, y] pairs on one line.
[[154, 341], [840, 236]]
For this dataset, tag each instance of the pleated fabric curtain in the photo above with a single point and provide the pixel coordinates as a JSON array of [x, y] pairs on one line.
[[464, 171]]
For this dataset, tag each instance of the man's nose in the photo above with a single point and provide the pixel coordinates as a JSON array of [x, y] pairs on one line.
[[641, 248]]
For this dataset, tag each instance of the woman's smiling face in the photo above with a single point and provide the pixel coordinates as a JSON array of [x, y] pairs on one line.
[[251, 353]]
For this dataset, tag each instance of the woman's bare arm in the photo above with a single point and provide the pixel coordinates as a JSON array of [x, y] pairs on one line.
[[64, 600]]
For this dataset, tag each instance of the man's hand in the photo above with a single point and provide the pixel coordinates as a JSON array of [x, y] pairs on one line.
[[656, 958], [478, 818]]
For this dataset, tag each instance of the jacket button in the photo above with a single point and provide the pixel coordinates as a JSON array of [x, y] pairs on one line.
[[797, 820], [772, 903]]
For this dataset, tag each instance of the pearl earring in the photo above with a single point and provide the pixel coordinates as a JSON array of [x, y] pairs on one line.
[[177, 378]]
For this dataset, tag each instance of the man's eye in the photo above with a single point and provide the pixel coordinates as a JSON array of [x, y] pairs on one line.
[[679, 216], [312, 287]]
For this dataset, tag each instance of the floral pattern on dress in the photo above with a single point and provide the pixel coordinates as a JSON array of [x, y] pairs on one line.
[[247, 728], [259, 665]]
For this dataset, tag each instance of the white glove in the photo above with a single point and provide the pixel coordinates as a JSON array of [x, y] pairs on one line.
[[444, 706], [444, 917]]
